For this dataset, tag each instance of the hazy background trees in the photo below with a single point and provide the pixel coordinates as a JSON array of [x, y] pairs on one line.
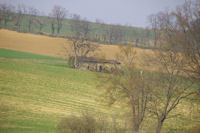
[[153, 19], [59, 13], [52, 23], [26, 19], [21, 11], [6, 13], [41, 23], [31, 17]]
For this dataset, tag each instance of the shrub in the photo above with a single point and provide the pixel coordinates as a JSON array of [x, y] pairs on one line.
[[88, 124], [73, 124]]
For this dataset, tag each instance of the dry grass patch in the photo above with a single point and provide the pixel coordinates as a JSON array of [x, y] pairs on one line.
[[55, 47]]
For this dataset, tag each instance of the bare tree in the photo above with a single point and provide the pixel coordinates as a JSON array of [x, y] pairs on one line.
[[114, 34], [103, 32], [6, 12], [154, 22], [59, 13], [52, 22], [181, 30], [136, 42], [126, 84], [20, 12], [187, 36], [168, 87], [32, 12], [40, 21], [178, 55], [146, 37], [118, 34], [80, 44]]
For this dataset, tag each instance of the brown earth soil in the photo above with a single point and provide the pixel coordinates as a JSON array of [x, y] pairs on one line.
[[60, 47]]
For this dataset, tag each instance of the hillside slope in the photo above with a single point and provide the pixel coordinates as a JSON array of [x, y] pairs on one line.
[[35, 94], [55, 46]]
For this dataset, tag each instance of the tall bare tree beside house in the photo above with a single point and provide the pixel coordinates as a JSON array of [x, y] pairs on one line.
[[80, 44], [59, 13], [79, 36]]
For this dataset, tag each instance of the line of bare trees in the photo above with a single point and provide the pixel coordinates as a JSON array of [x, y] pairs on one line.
[[158, 94], [57, 16], [5, 14], [30, 16], [28, 19], [18, 16]]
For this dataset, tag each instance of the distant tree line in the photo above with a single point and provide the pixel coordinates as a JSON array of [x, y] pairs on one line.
[[58, 23]]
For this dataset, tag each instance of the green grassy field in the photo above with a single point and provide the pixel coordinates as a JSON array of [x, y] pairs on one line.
[[36, 92], [23, 55]]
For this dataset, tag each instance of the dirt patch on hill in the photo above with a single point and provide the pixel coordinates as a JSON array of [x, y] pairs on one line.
[[50, 46], [31, 43]]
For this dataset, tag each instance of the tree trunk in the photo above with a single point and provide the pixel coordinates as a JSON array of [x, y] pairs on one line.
[[75, 56], [136, 43], [159, 127], [155, 40], [5, 22], [29, 26], [58, 30], [76, 61], [18, 27], [40, 28], [160, 124], [0, 20], [135, 122], [135, 129], [52, 28]]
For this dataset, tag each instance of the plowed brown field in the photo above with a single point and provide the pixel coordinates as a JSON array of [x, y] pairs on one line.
[[50, 46]]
